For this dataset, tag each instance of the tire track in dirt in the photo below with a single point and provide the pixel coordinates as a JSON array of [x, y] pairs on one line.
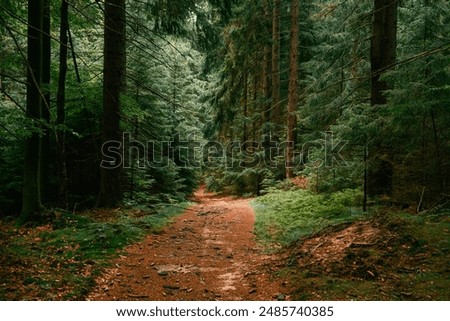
[[207, 253]]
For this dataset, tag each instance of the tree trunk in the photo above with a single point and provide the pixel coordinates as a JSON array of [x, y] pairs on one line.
[[255, 124], [440, 172], [31, 196], [113, 84], [266, 76], [245, 129], [383, 46], [63, 193], [45, 157], [293, 88], [276, 106], [383, 55]]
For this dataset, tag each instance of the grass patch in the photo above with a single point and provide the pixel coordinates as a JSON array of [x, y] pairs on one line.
[[283, 217], [60, 261]]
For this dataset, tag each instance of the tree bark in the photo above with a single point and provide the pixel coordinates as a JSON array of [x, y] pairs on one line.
[[266, 76], [31, 194], [245, 93], [293, 88], [113, 84], [383, 55], [276, 106], [63, 190], [255, 123], [45, 157], [383, 46]]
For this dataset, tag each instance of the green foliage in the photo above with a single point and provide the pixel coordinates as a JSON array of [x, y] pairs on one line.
[[283, 217], [418, 112], [164, 87], [238, 180], [196, 67], [409, 132], [11, 159], [163, 106]]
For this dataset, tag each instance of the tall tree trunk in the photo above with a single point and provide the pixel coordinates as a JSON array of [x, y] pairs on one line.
[[276, 106], [266, 76], [266, 91], [31, 195], [45, 138], [383, 55], [383, 46], [245, 129], [255, 124], [293, 88], [113, 84], [63, 193], [440, 172]]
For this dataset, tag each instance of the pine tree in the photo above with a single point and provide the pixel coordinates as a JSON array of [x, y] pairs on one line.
[[113, 86], [276, 100], [293, 88], [63, 188], [417, 104], [31, 200], [383, 57]]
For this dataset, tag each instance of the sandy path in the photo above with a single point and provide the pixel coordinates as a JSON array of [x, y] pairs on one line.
[[208, 253]]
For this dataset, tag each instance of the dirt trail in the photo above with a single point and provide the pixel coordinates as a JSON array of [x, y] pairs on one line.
[[208, 253]]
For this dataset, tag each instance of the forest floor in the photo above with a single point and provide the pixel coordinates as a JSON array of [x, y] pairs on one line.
[[389, 257], [208, 253], [211, 252]]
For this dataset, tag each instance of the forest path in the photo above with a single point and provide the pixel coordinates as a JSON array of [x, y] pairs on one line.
[[207, 253]]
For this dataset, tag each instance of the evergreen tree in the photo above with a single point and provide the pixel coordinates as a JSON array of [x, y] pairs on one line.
[[63, 188], [293, 89], [31, 202], [417, 109], [383, 56], [276, 76], [113, 86]]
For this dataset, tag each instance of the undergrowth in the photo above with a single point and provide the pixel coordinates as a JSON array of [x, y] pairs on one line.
[[409, 262], [283, 217], [407, 258], [60, 260]]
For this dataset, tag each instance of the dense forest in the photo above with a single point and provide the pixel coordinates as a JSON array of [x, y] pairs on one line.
[[128, 103], [74, 75]]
